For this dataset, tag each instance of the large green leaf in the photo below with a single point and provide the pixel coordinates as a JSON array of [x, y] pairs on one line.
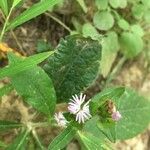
[[27, 63], [63, 139], [32, 12], [74, 66], [20, 142], [35, 87], [90, 142], [4, 6], [4, 125], [135, 112]]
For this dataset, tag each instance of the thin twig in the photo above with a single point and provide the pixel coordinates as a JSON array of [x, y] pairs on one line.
[[115, 71], [37, 139], [59, 21]]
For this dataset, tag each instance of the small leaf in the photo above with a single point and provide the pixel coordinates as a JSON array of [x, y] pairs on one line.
[[74, 66], [123, 3], [63, 138], [20, 142], [114, 3], [131, 44], [123, 24], [89, 31], [103, 20], [101, 4], [138, 10], [5, 125], [32, 12], [137, 29], [27, 63], [6, 89], [43, 46], [4, 6]]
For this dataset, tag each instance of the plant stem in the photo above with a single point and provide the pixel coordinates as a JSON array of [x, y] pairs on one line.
[[115, 71], [5, 24], [37, 139], [59, 21]]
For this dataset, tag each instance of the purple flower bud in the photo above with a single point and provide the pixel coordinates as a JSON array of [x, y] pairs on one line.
[[116, 116]]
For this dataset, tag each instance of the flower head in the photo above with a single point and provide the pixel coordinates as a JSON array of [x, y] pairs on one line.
[[60, 119], [78, 107], [116, 116]]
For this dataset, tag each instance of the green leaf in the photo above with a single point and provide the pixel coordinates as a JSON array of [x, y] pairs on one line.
[[147, 16], [74, 66], [101, 4], [131, 44], [6, 89], [91, 127], [83, 5], [123, 24], [114, 3], [89, 31], [27, 63], [63, 138], [43, 46], [135, 112], [90, 142], [36, 88], [110, 47], [99, 99], [20, 142], [32, 12], [137, 29], [123, 4], [4, 6], [138, 10], [5, 125], [15, 3], [103, 20]]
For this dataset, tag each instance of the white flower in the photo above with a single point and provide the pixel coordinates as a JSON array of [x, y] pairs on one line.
[[60, 119], [78, 107], [116, 116]]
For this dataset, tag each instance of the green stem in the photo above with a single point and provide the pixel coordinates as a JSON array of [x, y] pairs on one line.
[[5, 24], [115, 71], [37, 140], [59, 21]]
